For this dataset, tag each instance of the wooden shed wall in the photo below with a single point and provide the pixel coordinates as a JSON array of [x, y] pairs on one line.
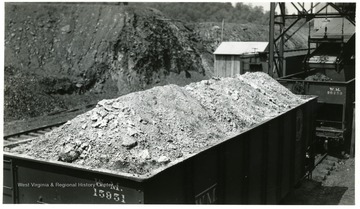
[[227, 65], [230, 65]]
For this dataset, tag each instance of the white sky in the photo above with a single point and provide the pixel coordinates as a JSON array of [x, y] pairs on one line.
[[290, 8], [266, 5]]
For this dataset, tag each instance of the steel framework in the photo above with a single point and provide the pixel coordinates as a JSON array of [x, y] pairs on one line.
[[283, 22]]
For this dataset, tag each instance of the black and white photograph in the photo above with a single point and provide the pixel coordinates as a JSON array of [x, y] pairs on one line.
[[178, 103]]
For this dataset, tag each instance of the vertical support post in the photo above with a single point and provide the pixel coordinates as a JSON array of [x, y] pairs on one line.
[[271, 39], [216, 74], [282, 42], [222, 30]]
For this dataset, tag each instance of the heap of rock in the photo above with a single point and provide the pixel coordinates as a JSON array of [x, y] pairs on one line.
[[139, 132]]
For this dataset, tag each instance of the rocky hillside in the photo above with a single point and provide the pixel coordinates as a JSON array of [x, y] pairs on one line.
[[60, 56], [210, 34], [56, 52]]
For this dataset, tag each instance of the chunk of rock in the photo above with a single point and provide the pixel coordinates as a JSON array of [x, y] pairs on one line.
[[163, 159], [68, 153], [116, 105], [128, 142], [94, 117], [65, 29], [144, 154]]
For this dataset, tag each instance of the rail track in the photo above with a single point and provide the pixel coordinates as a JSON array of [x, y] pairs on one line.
[[17, 138], [324, 166], [27, 130]]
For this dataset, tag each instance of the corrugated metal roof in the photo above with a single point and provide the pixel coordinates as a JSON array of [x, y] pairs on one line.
[[237, 48]]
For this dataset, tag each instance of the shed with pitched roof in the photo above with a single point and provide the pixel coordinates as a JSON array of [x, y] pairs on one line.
[[233, 58]]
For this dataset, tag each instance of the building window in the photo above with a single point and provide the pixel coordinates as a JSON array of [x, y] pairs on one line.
[[256, 67]]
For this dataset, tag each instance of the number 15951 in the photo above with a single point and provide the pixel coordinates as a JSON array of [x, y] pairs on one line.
[[109, 195]]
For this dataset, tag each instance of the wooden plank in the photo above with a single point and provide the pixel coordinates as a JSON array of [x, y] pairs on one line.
[[241, 67], [238, 65], [222, 66], [229, 66], [232, 66]]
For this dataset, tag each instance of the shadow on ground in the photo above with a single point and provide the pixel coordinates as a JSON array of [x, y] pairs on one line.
[[311, 192]]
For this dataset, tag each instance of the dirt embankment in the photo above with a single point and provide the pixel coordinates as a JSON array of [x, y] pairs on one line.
[[141, 131]]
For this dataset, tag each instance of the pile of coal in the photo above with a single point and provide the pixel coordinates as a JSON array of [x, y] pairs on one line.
[[318, 77]]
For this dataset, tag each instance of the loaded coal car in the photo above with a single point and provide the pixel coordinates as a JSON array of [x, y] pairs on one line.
[[329, 73], [239, 140]]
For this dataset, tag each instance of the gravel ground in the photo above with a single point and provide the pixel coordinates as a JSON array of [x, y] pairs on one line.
[[338, 187]]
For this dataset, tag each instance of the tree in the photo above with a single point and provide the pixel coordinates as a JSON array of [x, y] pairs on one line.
[[210, 12]]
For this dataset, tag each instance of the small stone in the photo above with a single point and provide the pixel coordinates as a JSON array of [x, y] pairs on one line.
[[67, 148], [144, 154], [84, 145], [129, 142], [179, 154], [172, 146], [103, 123], [108, 108], [130, 123], [67, 139], [102, 113], [132, 132], [73, 155], [65, 29], [78, 142], [68, 154], [143, 121], [104, 158], [110, 117], [94, 117], [96, 124], [101, 103], [114, 125], [116, 105], [100, 134], [84, 126], [163, 159]]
